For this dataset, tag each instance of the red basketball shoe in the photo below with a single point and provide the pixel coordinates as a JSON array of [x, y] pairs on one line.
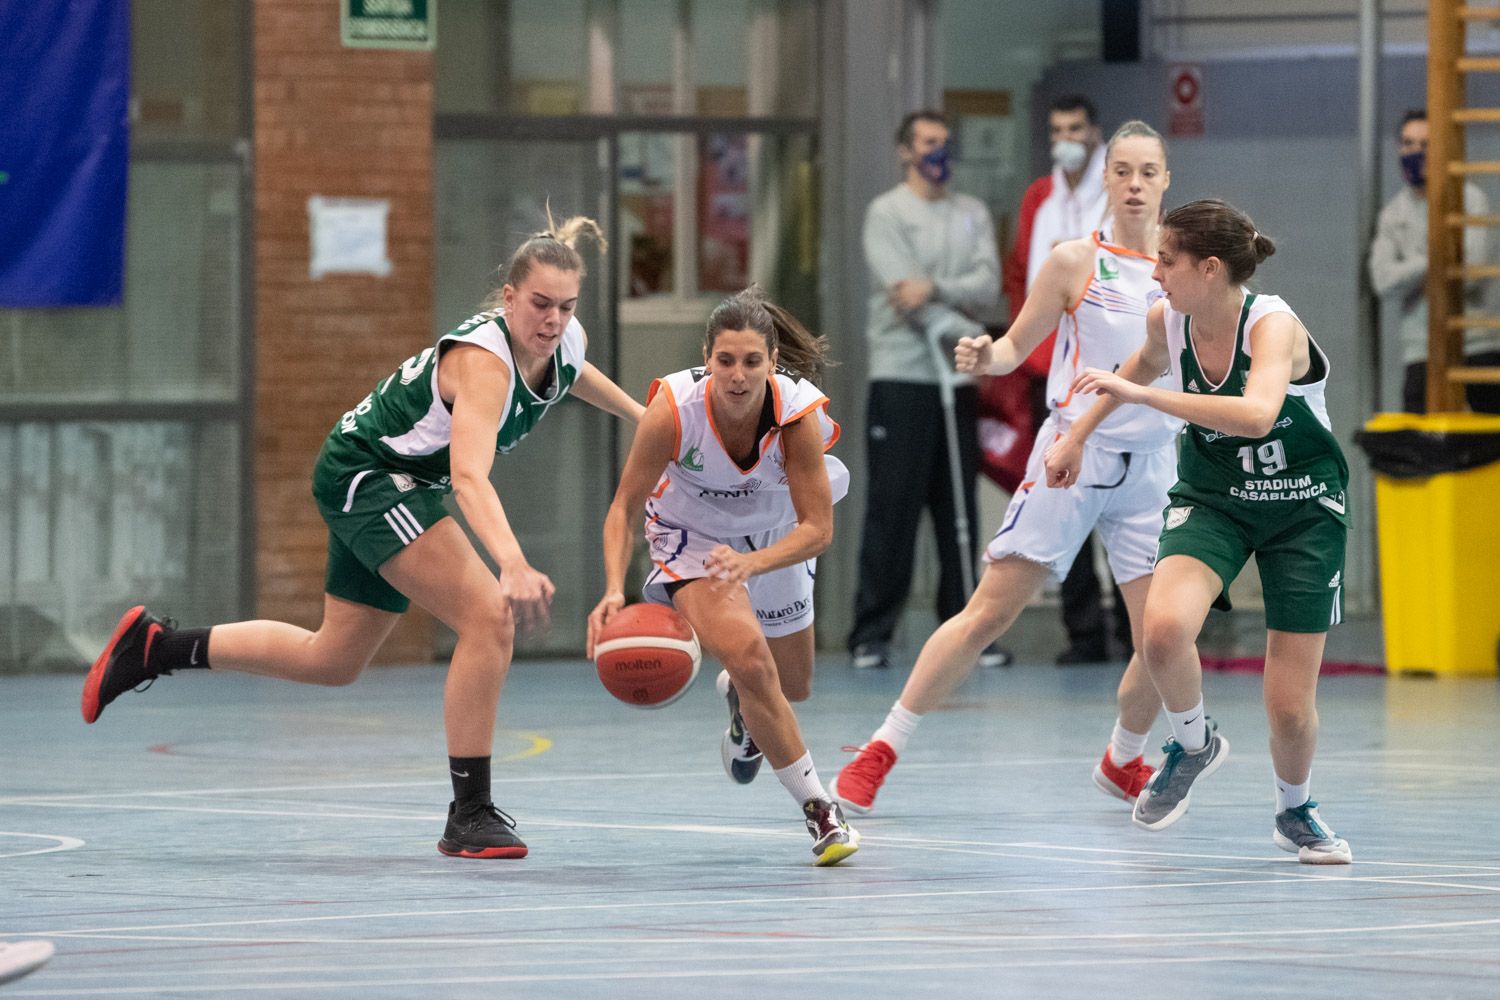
[[1123, 781], [856, 785]]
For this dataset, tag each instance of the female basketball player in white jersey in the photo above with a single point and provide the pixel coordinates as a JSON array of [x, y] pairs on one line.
[[728, 468], [1259, 472], [432, 427], [1095, 292]]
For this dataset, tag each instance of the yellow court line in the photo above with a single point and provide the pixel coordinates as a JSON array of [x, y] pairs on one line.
[[539, 745]]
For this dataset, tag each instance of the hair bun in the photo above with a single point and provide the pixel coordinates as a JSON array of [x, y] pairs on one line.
[[1263, 246]]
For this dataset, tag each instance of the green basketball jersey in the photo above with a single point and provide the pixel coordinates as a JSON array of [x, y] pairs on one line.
[[1298, 461], [404, 426]]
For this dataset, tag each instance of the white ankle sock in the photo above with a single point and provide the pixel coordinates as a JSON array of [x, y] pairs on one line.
[[1189, 728], [900, 722], [1125, 746], [801, 779], [1290, 796]]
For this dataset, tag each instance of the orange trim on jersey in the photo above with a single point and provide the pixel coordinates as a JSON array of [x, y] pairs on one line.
[[821, 403], [1077, 335], [663, 568], [1075, 306], [1122, 251], [658, 384], [661, 488]]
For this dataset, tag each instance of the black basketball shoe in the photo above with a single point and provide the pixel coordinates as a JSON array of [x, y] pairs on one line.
[[477, 829]]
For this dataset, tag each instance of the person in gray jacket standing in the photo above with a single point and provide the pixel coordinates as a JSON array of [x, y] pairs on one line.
[[1398, 271], [933, 262]]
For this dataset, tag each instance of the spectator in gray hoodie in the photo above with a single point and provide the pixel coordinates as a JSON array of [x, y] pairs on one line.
[[933, 262]]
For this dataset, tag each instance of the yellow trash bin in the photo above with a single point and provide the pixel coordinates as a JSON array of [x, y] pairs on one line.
[[1437, 504]]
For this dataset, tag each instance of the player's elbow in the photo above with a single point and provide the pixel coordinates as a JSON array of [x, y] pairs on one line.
[[821, 535], [467, 485], [1262, 420]]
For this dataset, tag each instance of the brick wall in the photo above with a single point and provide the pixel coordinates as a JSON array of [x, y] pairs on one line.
[[335, 122]]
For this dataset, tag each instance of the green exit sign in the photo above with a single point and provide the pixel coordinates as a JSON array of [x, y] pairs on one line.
[[388, 24]]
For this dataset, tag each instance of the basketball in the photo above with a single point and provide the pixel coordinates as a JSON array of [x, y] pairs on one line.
[[647, 656]]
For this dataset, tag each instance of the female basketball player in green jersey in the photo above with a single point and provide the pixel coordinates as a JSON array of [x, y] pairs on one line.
[[1259, 472], [432, 427]]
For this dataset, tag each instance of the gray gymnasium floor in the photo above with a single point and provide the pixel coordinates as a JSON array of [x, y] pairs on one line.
[[227, 836]]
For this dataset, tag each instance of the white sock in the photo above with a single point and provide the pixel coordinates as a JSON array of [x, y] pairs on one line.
[[1189, 727], [1290, 796], [900, 722], [1125, 746], [801, 779]]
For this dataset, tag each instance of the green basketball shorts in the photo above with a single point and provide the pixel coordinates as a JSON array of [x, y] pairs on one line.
[[1298, 550], [372, 514]]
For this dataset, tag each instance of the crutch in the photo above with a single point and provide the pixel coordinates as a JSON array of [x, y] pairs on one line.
[[942, 357]]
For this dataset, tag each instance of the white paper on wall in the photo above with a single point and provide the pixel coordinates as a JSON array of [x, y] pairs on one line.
[[348, 236]]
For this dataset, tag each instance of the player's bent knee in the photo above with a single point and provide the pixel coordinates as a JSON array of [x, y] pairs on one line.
[[489, 620], [985, 621], [1164, 637], [341, 671], [751, 669], [1290, 711]]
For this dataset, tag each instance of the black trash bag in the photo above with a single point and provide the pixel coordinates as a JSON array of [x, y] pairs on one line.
[[1410, 454]]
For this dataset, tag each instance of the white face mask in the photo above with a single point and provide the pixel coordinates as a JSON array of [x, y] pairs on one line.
[[1070, 154]]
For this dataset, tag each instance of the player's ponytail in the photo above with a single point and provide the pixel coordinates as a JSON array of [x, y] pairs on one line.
[[556, 245]]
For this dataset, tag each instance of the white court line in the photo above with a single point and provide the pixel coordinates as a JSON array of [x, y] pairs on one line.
[[736, 948], [773, 937], [60, 844], [1237, 857], [429, 783], [1330, 756], [708, 972], [730, 903], [935, 845]]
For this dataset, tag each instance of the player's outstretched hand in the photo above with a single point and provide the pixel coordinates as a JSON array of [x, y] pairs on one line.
[[609, 606], [1064, 458], [530, 595], [972, 354], [1097, 381]]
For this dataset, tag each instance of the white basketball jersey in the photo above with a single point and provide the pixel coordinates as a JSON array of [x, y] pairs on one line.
[[705, 489], [1102, 330]]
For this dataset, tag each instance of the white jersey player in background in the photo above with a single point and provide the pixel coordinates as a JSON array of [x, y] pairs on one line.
[[1096, 292], [728, 468]]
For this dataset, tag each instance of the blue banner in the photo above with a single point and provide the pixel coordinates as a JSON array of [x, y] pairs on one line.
[[64, 151]]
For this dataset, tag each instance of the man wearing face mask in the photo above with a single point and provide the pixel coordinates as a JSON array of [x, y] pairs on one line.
[[1398, 270], [933, 262], [1065, 204]]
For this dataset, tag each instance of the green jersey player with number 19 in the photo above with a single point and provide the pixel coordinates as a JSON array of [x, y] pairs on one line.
[[1259, 473], [430, 428]]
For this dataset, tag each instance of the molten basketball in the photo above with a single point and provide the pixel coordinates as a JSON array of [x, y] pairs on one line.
[[647, 656]]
